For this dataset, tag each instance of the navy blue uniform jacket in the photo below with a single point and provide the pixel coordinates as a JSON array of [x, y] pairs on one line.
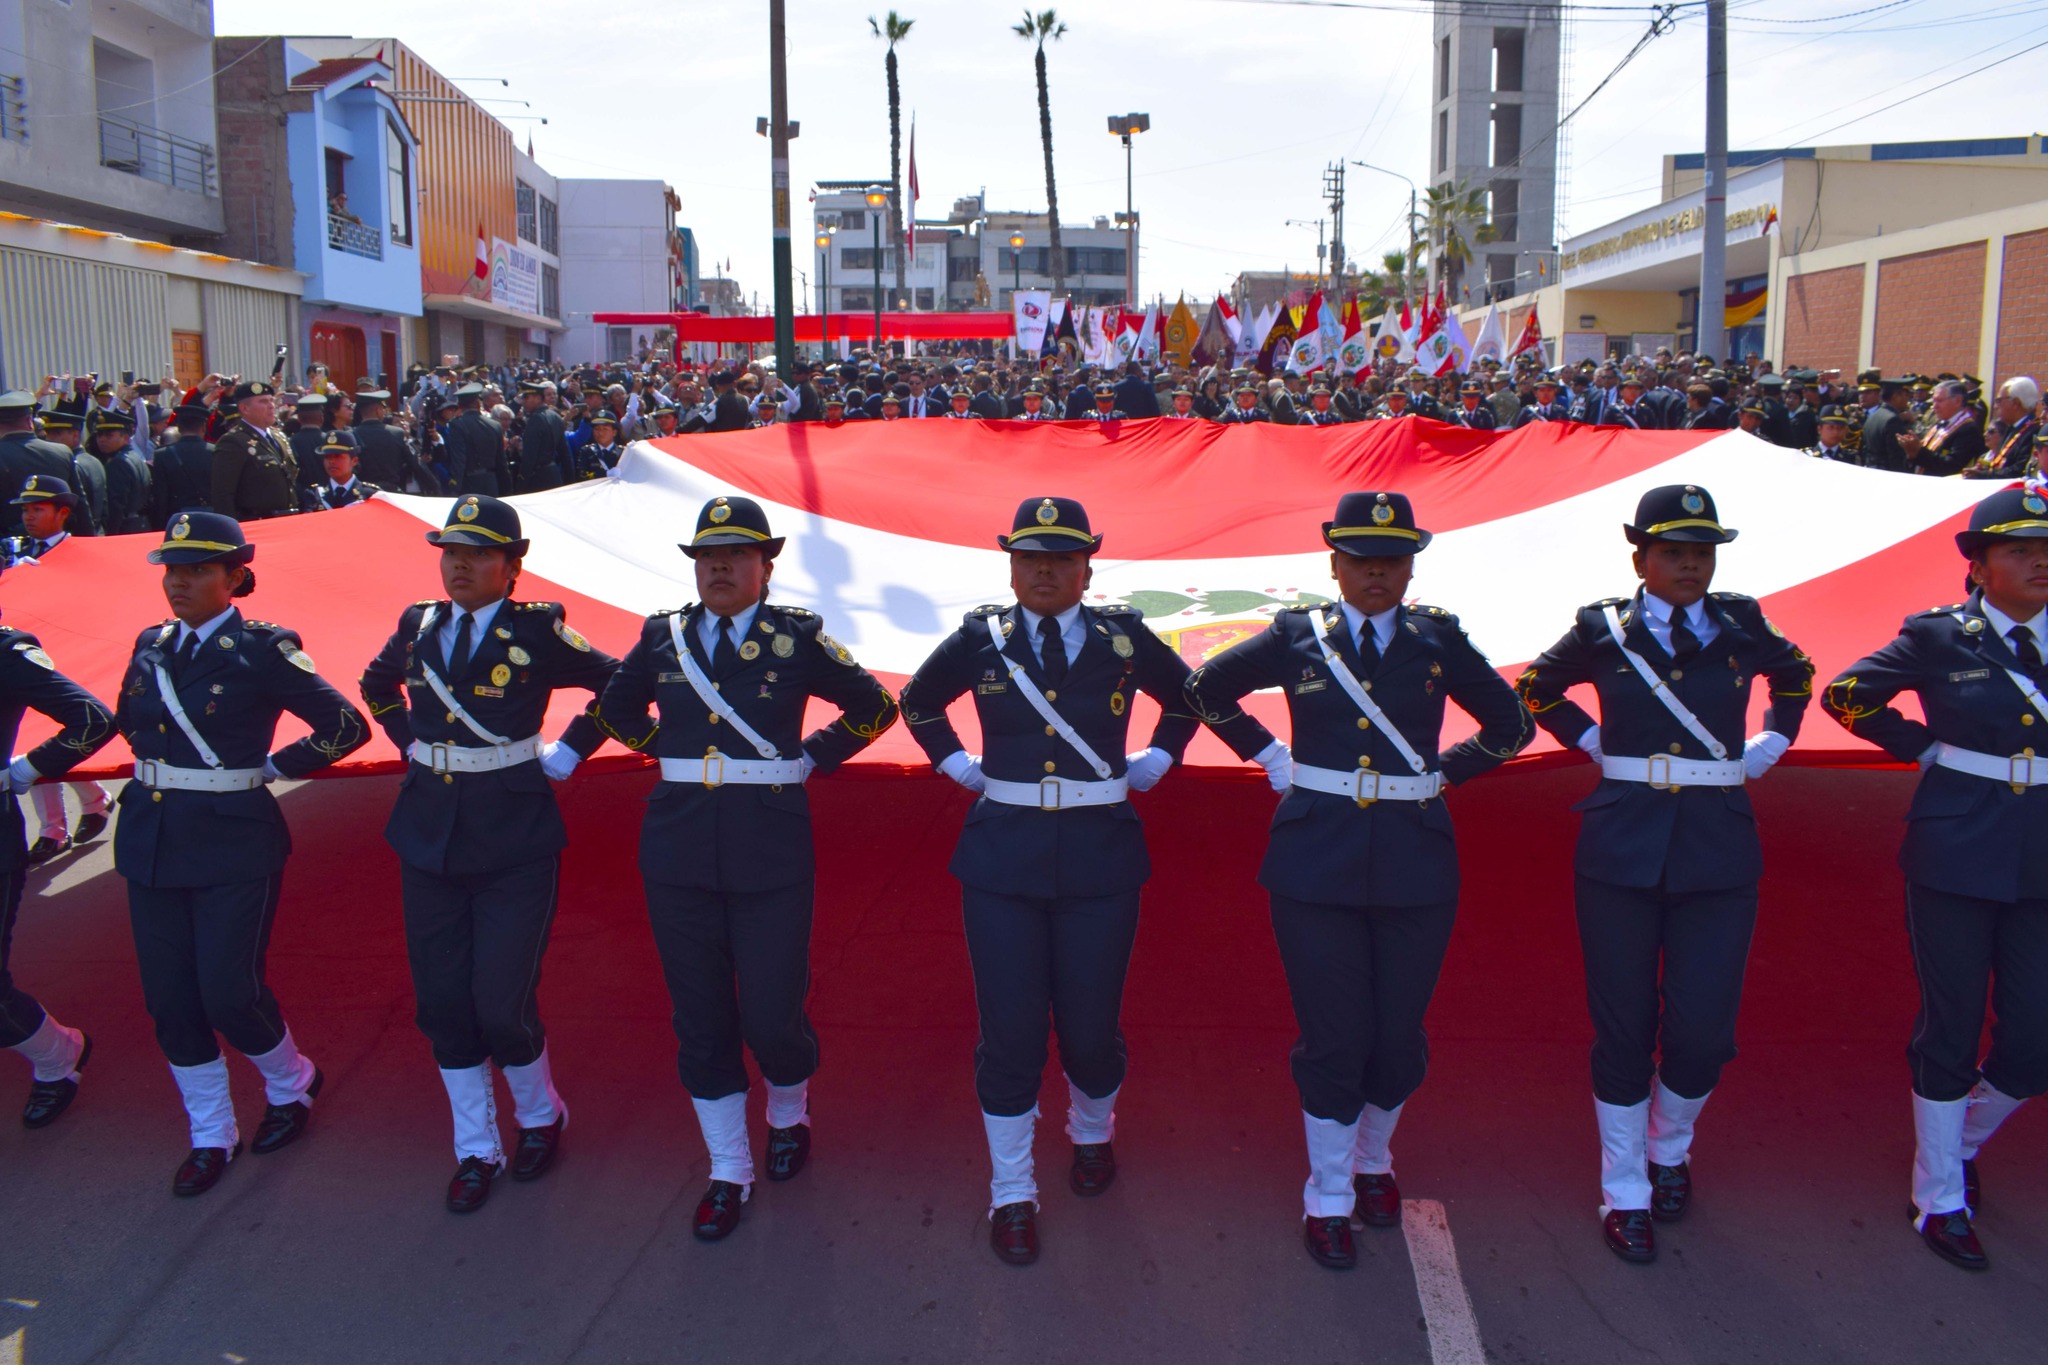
[[1689, 839], [1966, 835], [739, 836], [28, 679], [1090, 850], [462, 824], [1331, 849], [245, 675]]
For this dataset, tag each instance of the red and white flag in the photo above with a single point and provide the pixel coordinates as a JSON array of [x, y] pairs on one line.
[[1530, 339], [910, 212], [1354, 353], [483, 254]]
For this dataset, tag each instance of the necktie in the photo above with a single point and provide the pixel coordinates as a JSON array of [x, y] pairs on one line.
[[1684, 644], [39, 549], [726, 655], [1052, 651], [1368, 647], [2025, 650], [458, 657]]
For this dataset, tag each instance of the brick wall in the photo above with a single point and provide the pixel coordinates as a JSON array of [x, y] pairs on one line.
[[1930, 310], [2023, 308], [250, 104], [1824, 319]]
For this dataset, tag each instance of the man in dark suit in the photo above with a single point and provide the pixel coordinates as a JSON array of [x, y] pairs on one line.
[[311, 410], [1135, 396], [387, 455], [543, 441], [477, 462], [729, 410], [182, 474], [725, 847], [1884, 426], [984, 403], [1668, 857]]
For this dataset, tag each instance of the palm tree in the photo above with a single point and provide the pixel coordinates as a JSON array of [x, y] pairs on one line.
[[894, 30], [1452, 219], [1036, 28]]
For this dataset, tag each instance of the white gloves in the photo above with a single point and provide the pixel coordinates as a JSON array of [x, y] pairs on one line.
[[1926, 759], [558, 760], [1761, 751], [964, 768], [270, 772], [1144, 768], [21, 775], [810, 764], [1590, 742], [1278, 761]]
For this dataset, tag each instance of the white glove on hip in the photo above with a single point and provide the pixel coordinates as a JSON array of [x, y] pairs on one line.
[[1278, 761], [1590, 742], [1762, 751], [558, 760], [1144, 768], [964, 768]]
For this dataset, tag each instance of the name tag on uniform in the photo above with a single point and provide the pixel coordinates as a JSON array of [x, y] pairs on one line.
[[1320, 684], [1970, 675], [671, 677], [989, 689], [483, 691]]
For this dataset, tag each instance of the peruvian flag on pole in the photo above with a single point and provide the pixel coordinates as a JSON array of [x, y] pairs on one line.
[[910, 212], [1354, 353], [1530, 340], [1432, 343], [483, 254], [1306, 354]]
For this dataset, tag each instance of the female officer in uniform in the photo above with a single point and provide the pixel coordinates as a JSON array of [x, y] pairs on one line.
[[1976, 849], [1361, 867], [28, 678], [726, 845], [461, 688], [1668, 858], [201, 842], [1052, 856]]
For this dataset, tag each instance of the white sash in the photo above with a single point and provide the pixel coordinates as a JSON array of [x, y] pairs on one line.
[[709, 695], [442, 690], [1359, 696], [1030, 691], [2024, 683], [1664, 693], [165, 690]]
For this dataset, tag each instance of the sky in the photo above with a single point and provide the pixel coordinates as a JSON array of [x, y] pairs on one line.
[[1250, 101]]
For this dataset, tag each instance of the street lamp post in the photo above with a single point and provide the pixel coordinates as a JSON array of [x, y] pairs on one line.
[[1016, 267], [876, 199], [1124, 125], [1365, 165], [825, 291]]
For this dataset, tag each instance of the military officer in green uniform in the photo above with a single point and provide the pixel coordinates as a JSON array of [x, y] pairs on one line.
[[254, 472]]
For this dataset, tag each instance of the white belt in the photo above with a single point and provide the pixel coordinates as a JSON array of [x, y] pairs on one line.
[[717, 770], [458, 758], [1056, 793], [150, 773], [2020, 770], [1664, 771], [1365, 786]]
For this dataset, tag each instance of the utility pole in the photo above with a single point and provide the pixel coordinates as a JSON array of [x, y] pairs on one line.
[[1709, 334], [779, 132], [1333, 189]]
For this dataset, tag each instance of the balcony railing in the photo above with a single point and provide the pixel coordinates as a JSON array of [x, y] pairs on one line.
[[357, 239], [156, 155], [13, 109]]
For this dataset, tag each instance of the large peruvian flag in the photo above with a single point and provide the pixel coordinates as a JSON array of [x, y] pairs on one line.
[[1209, 529]]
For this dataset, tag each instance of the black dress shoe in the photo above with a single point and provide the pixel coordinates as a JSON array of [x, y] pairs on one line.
[[284, 1124], [1629, 1235], [1379, 1200], [202, 1170], [537, 1148], [1329, 1242], [472, 1184], [718, 1212], [1013, 1233], [788, 1150], [44, 849], [49, 1099], [1670, 1191], [1094, 1168], [90, 827], [1950, 1237], [1973, 1193]]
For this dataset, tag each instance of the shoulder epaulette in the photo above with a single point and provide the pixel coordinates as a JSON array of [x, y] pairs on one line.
[[984, 610], [425, 602], [1731, 597], [1948, 610], [260, 625], [671, 611], [7, 630], [1420, 609], [537, 606], [1608, 602], [1121, 609], [794, 613]]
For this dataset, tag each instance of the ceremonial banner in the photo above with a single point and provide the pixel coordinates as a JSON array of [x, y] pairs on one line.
[[1179, 342], [1489, 344], [1306, 354], [1354, 353], [1033, 311], [1210, 530], [1530, 341]]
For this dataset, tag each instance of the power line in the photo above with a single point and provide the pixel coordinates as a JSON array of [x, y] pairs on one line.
[[1978, 71]]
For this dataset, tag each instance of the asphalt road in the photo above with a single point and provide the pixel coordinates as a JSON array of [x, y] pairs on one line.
[[338, 1250]]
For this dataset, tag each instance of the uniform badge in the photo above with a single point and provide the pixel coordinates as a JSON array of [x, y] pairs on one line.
[[483, 691], [766, 626], [835, 649], [1123, 646], [751, 650], [504, 634], [783, 646], [468, 510], [1692, 502], [500, 675], [570, 637], [35, 655], [182, 527], [296, 657], [771, 675], [2033, 503], [719, 512], [227, 642], [519, 656], [1973, 626], [216, 689], [1381, 512], [1436, 670], [1047, 513], [1116, 703]]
